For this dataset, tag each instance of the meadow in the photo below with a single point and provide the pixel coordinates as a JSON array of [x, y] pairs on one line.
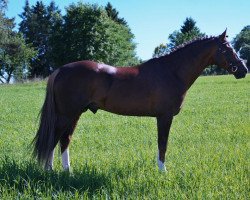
[[114, 157]]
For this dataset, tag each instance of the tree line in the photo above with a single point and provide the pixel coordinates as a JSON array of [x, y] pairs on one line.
[[50, 39], [46, 39]]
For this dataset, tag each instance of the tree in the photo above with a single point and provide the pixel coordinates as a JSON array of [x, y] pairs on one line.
[[214, 70], [14, 53], [3, 4], [87, 33], [15, 58], [37, 27], [187, 32], [113, 14], [241, 44], [161, 50], [189, 26]]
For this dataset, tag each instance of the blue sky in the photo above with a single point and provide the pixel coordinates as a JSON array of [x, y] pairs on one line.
[[152, 21]]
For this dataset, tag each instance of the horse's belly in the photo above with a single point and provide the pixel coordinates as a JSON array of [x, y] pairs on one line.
[[128, 106], [129, 97]]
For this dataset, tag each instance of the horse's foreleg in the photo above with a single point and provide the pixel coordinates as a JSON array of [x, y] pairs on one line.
[[163, 124]]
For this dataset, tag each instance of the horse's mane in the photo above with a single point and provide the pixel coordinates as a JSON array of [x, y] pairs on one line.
[[199, 39], [185, 44]]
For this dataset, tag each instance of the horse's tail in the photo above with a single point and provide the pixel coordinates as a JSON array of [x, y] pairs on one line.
[[44, 141]]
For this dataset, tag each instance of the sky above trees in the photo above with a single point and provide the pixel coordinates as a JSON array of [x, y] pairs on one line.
[[152, 21]]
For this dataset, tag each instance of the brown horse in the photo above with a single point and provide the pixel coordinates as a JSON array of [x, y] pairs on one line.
[[155, 88]]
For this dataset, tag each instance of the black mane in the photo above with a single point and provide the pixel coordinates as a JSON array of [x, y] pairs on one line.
[[190, 42], [179, 47]]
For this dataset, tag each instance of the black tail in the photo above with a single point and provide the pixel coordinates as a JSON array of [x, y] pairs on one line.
[[44, 141]]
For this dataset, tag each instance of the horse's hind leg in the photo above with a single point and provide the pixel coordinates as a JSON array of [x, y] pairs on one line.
[[49, 163], [61, 129], [64, 128], [64, 143]]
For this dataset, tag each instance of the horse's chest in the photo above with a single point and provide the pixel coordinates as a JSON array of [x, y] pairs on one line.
[[170, 100], [178, 104]]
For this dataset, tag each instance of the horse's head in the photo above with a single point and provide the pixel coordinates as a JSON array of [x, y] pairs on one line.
[[227, 58]]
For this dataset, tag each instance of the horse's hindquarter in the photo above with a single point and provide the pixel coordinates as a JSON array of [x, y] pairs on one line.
[[77, 85]]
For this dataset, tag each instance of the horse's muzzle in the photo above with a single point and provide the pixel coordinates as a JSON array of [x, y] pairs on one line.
[[237, 76], [240, 73]]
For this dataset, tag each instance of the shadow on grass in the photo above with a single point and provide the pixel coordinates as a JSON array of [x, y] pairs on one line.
[[29, 177]]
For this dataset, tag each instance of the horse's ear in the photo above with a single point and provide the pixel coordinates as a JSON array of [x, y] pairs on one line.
[[223, 36]]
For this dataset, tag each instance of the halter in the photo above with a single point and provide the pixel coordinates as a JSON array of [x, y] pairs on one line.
[[233, 68], [231, 65]]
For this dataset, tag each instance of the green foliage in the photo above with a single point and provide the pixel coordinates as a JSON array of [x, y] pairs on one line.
[[15, 58], [37, 27], [214, 70], [15, 54], [89, 34], [189, 26], [178, 38], [86, 32], [241, 44], [160, 50], [113, 14], [114, 157], [3, 4], [188, 32]]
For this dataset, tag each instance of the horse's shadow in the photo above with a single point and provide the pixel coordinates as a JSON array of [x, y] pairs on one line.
[[28, 176]]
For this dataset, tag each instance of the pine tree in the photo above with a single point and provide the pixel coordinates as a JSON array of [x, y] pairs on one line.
[[3, 5], [113, 14], [187, 32], [37, 26], [189, 25]]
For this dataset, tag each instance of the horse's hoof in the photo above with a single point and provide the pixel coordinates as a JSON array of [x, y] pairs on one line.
[[48, 168], [67, 170], [161, 166]]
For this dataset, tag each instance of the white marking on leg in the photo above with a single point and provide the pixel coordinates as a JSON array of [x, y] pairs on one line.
[[49, 164], [106, 68], [161, 164], [65, 160]]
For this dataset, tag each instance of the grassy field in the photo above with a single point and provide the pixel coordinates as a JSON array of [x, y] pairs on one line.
[[114, 157]]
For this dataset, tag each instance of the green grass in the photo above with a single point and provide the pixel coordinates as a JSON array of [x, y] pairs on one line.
[[114, 157]]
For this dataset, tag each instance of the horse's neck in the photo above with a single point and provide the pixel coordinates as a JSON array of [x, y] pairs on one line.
[[190, 68]]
